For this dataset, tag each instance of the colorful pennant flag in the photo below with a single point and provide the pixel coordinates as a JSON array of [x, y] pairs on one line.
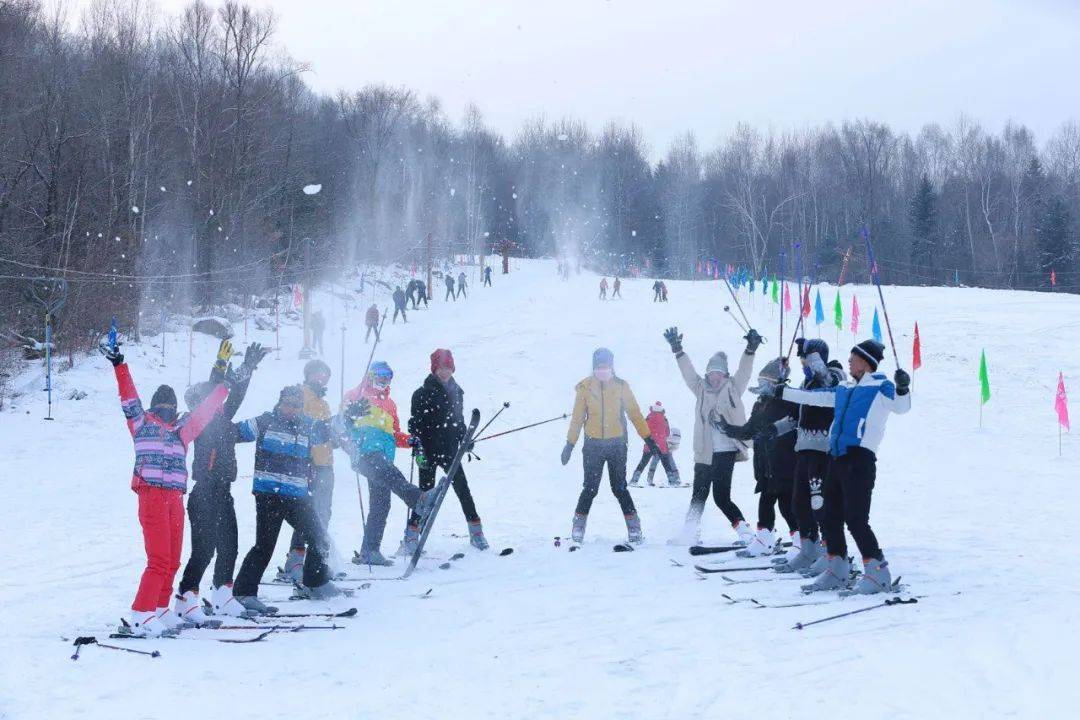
[[984, 379], [875, 327], [787, 298], [854, 315], [819, 312], [916, 351], [806, 302], [1061, 403], [838, 313], [775, 291], [1053, 278]]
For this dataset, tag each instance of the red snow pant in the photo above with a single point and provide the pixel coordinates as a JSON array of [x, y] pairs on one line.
[[161, 514]]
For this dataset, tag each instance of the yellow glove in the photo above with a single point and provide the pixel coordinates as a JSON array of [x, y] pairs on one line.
[[224, 353]]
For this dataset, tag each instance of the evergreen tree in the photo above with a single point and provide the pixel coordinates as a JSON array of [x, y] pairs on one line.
[[923, 217], [1054, 241]]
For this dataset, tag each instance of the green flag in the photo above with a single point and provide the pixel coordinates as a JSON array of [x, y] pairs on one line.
[[984, 379], [775, 290], [838, 312]]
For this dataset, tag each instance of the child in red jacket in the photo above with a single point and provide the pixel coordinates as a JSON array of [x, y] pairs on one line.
[[661, 431]]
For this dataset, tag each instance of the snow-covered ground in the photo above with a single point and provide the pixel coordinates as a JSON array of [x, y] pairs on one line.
[[976, 520]]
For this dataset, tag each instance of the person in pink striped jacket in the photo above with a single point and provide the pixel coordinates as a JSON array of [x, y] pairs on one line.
[[160, 481]]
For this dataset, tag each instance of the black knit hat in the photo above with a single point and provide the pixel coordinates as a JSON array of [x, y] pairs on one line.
[[871, 351], [164, 395]]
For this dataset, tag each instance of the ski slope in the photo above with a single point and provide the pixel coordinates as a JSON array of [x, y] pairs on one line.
[[971, 518]]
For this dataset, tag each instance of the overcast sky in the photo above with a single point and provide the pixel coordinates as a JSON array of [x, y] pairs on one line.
[[671, 66]]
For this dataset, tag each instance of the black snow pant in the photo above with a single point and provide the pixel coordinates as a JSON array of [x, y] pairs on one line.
[[768, 501], [811, 467], [375, 329], [461, 292], [487, 280], [656, 296], [450, 294], [716, 476], [384, 481], [410, 298], [213, 531], [270, 511], [847, 492], [316, 342], [669, 465], [398, 309], [595, 454], [460, 484]]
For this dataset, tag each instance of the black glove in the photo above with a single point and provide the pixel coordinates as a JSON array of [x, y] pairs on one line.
[[817, 365], [903, 382], [766, 433], [254, 354], [736, 432], [237, 377], [112, 354], [356, 410], [674, 338], [753, 340], [651, 444], [778, 391], [565, 457]]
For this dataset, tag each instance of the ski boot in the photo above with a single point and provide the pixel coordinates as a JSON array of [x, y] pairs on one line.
[[476, 536], [373, 557], [222, 602], [409, 542], [326, 591], [835, 577], [745, 532], [293, 571], [425, 505], [635, 479], [577, 533], [808, 554], [793, 551], [764, 543], [673, 479], [144, 624], [876, 578], [171, 620], [633, 529], [820, 564], [252, 603], [190, 610]]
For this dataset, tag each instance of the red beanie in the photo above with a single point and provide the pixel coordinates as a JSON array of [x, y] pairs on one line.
[[442, 358]]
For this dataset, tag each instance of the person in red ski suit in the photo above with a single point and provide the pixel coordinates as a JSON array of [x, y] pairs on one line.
[[658, 426]]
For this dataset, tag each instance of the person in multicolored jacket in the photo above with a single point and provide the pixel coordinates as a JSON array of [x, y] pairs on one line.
[[371, 432], [160, 481], [285, 438]]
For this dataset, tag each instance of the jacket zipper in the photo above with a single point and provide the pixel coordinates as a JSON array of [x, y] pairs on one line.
[[843, 414], [603, 410]]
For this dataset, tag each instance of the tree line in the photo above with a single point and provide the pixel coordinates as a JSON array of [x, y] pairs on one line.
[[160, 161]]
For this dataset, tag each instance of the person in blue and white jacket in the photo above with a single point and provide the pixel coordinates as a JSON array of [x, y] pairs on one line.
[[861, 408]]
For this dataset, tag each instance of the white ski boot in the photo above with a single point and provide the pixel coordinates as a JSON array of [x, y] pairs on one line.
[[171, 620], [577, 532], [809, 553], [764, 543], [223, 603], [745, 532], [876, 578], [189, 608], [793, 551], [633, 529], [145, 624]]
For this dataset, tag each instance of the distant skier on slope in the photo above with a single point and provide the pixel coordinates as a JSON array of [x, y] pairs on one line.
[[449, 280], [410, 293], [718, 395], [603, 289], [399, 305], [663, 291], [461, 283], [656, 288], [371, 320], [602, 402], [660, 431], [616, 288], [487, 276], [318, 327], [422, 292]]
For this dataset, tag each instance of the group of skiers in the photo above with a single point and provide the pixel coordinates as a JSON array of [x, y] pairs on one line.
[[814, 449], [416, 292], [293, 479]]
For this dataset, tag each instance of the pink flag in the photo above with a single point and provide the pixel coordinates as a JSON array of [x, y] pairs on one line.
[[297, 295], [787, 299], [854, 314], [1061, 403]]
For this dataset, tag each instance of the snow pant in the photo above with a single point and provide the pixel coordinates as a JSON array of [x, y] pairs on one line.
[[487, 280], [383, 479], [460, 484], [317, 343], [270, 511], [461, 292], [847, 491], [768, 500], [449, 294], [594, 455], [375, 329], [717, 476], [424, 297], [213, 532], [410, 298], [322, 498], [616, 294], [161, 514], [656, 296], [648, 457], [811, 467], [603, 294], [399, 309]]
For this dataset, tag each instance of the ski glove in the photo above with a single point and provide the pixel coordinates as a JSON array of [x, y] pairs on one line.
[[816, 365], [112, 354], [356, 410], [223, 354], [674, 338], [254, 354], [736, 432], [753, 340], [234, 378], [903, 382], [566, 453]]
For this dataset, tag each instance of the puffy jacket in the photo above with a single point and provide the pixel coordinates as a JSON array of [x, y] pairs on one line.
[[283, 464], [712, 403], [214, 459], [774, 455], [658, 429], [379, 430], [371, 317], [815, 422], [316, 408], [437, 417], [602, 408], [861, 410], [161, 447]]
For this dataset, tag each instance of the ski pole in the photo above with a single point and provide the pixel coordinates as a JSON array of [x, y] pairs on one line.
[[799, 325], [876, 277], [523, 427], [488, 423], [363, 519], [783, 290], [736, 299], [80, 642], [727, 309], [378, 337], [888, 603]]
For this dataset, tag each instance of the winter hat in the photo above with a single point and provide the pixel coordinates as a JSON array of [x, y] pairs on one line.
[[717, 363], [164, 395], [809, 347], [656, 407], [602, 356], [774, 373], [314, 367], [871, 351], [381, 369], [442, 358], [294, 394]]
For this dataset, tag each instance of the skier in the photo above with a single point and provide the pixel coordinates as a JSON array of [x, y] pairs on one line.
[[770, 428], [461, 285], [656, 288], [284, 439], [812, 456], [210, 505], [603, 289], [718, 395], [316, 377], [856, 431], [318, 325], [371, 432], [615, 288], [410, 293], [371, 319], [160, 481], [437, 421], [399, 305], [663, 291], [422, 292], [602, 401], [660, 431], [487, 276], [449, 280]]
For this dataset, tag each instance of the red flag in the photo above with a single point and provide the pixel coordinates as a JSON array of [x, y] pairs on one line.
[[1053, 277], [1061, 403], [297, 295], [916, 351], [854, 314], [806, 302], [787, 299]]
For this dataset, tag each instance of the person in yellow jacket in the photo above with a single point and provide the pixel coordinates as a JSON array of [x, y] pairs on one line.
[[602, 403], [316, 379]]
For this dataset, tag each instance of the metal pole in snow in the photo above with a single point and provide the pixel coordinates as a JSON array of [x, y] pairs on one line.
[[48, 363]]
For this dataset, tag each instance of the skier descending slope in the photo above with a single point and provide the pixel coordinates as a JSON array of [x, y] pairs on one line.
[[862, 408], [660, 432], [210, 504], [370, 430], [437, 421], [284, 440], [160, 481], [770, 427], [601, 404], [719, 395]]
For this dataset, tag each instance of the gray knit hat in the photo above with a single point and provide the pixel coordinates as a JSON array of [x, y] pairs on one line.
[[717, 363]]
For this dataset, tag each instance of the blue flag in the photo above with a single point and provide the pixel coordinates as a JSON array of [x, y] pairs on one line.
[[876, 327], [819, 312], [112, 333], [765, 282]]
